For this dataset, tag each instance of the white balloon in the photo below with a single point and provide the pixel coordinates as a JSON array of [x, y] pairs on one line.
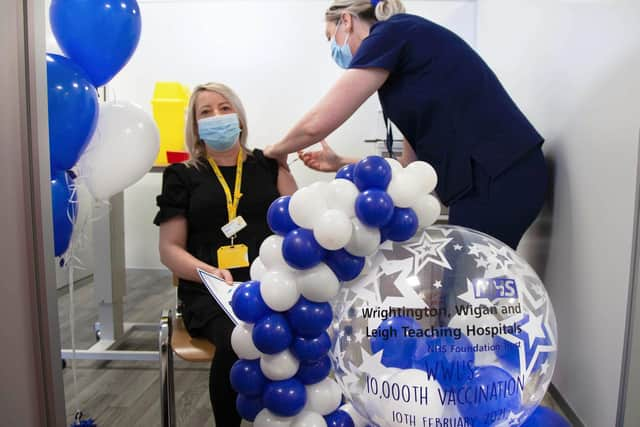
[[364, 240], [266, 418], [404, 189], [323, 397], [242, 343], [279, 366], [279, 290], [424, 173], [309, 419], [271, 254], [332, 229], [342, 196], [320, 187], [413, 379], [306, 205], [396, 166], [318, 284], [358, 420], [427, 208], [121, 151], [257, 269]]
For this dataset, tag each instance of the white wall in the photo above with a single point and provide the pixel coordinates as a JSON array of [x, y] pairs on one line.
[[272, 53], [574, 67]]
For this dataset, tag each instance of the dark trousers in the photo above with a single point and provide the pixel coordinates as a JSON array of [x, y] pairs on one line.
[[504, 206]]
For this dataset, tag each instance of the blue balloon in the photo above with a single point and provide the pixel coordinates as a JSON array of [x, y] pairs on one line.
[[402, 226], [372, 172], [309, 349], [63, 207], [247, 378], [73, 111], [248, 407], [278, 216], [492, 390], [247, 303], [545, 417], [346, 172], [99, 35], [272, 334], [309, 319], [339, 418], [301, 250], [314, 371], [435, 357], [344, 265], [389, 336], [285, 398], [374, 208]]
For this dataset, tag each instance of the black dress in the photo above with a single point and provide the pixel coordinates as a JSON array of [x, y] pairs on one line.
[[195, 194]]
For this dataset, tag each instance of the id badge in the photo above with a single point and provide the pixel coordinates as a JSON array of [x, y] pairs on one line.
[[235, 256], [234, 226]]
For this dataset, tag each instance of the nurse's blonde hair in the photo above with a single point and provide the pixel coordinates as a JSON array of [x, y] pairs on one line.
[[364, 9], [195, 146]]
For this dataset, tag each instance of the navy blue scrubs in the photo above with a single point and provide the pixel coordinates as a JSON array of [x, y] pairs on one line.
[[456, 115]]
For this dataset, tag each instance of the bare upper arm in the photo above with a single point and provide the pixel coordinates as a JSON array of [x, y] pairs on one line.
[[408, 155], [286, 182], [173, 232]]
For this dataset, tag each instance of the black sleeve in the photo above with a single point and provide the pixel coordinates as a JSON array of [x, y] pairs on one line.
[[174, 199], [267, 163]]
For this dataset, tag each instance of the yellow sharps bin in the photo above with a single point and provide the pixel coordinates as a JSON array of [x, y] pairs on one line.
[[169, 104]]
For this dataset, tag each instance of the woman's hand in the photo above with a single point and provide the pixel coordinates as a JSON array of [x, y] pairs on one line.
[[324, 160], [223, 274]]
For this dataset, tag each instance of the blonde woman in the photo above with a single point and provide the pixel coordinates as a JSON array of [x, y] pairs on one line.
[[448, 104], [223, 180]]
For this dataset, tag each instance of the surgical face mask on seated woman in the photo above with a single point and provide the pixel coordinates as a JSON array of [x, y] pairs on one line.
[[341, 54], [220, 133]]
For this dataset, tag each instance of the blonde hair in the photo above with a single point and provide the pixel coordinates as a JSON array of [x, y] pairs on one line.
[[364, 9], [195, 146]]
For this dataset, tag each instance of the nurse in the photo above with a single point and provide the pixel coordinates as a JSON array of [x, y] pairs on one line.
[[449, 106]]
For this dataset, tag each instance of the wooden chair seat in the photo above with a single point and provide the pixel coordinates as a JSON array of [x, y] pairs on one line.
[[189, 348]]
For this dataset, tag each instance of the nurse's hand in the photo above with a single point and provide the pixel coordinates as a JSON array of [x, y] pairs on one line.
[[324, 160], [272, 152]]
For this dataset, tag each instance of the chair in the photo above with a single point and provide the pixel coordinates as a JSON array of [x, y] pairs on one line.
[[174, 338]]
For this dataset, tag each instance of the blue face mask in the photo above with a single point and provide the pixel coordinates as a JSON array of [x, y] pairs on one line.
[[220, 133], [341, 54]]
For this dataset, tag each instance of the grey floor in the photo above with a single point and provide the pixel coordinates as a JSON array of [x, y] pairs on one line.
[[117, 393]]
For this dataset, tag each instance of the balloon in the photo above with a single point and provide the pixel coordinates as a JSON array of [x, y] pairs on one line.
[[314, 371], [332, 229], [342, 195], [397, 349], [427, 208], [372, 172], [63, 208], [374, 208], [545, 417], [278, 216], [247, 303], [486, 378], [310, 349], [423, 173], [257, 269], [279, 290], [346, 172], [280, 366], [309, 419], [509, 353], [73, 111], [344, 265], [364, 239], [242, 342], [285, 398], [247, 378], [271, 254], [323, 397], [309, 319], [318, 284], [403, 189], [266, 418], [450, 368], [395, 165], [122, 150], [402, 226], [357, 419], [272, 334], [339, 418], [301, 250], [99, 35], [306, 205], [412, 379], [248, 407]]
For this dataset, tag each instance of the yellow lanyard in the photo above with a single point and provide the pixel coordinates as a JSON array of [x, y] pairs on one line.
[[232, 202]]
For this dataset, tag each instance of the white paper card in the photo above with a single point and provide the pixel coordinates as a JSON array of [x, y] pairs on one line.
[[221, 291]]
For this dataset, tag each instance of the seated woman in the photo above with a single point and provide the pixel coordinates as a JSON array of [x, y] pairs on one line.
[[222, 180]]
